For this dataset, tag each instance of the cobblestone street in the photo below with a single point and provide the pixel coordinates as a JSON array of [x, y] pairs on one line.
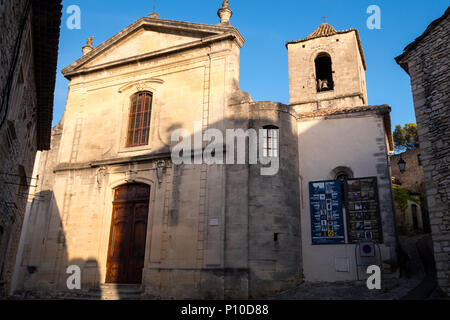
[[414, 284]]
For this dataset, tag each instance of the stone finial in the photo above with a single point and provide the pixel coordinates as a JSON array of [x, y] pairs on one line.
[[225, 13], [88, 47], [153, 15]]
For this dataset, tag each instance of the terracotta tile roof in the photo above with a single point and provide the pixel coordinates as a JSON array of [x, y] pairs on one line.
[[326, 30]]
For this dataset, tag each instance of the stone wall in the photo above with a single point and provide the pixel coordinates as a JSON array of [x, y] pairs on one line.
[[18, 120], [198, 237], [348, 73], [324, 145], [263, 243], [427, 62], [412, 181], [28, 49], [412, 178]]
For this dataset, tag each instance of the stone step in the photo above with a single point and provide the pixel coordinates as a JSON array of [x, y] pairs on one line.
[[120, 286], [117, 296], [112, 291]]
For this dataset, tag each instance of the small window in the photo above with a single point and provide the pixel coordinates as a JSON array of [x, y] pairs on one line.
[[419, 159], [324, 73], [20, 77], [271, 142], [342, 173], [23, 181], [139, 121], [12, 130], [275, 237], [342, 176], [414, 217]]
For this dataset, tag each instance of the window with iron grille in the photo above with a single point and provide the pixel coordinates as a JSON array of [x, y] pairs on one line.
[[270, 143], [139, 121]]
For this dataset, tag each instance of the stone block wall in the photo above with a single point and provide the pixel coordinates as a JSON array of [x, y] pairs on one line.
[[412, 178], [18, 121], [263, 245], [427, 62], [412, 181], [348, 73]]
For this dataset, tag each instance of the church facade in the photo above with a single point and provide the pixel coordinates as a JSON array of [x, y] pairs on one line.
[[111, 200]]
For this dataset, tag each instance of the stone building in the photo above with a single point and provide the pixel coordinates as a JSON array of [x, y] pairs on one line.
[[426, 62], [113, 201], [28, 50], [415, 217]]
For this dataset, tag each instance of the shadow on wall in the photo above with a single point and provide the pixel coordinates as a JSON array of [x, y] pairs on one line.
[[256, 252], [261, 251], [43, 270], [244, 241]]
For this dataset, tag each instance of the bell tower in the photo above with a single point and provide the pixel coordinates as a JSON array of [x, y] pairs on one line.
[[327, 70]]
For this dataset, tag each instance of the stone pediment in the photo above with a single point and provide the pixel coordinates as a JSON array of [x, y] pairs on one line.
[[147, 38]]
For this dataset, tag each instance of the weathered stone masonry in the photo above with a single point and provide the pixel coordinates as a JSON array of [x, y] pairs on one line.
[[28, 49], [214, 231], [426, 60]]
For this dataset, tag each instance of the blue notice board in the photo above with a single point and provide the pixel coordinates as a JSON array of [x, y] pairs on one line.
[[327, 221]]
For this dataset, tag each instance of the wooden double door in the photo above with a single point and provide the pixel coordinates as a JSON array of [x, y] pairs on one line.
[[126, 252]]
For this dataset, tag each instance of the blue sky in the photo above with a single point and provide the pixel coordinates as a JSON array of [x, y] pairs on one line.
[[266, 26]]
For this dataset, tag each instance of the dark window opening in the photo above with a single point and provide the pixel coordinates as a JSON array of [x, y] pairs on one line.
[[139, 122], [271, 142], [343, 177], [12, 130], [343, 174], [275, 237], [20, 77], [419, 159], [324, 73], [414, 217], [23, 181]]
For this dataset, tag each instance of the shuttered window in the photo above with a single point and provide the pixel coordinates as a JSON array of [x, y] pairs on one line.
[[139, 122]]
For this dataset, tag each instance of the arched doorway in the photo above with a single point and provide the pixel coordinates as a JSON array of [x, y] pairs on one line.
[[126, 251]]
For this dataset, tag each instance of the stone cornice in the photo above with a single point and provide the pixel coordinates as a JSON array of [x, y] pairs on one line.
[[112, 161], [330, 112], [208, 34], [140, 82], [329, 98]]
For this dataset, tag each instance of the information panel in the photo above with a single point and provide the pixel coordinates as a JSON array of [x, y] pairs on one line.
[[363, 212], [327, 222]]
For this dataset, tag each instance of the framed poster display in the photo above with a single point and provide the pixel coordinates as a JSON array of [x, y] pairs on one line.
[[327, 222], [363, 210]]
